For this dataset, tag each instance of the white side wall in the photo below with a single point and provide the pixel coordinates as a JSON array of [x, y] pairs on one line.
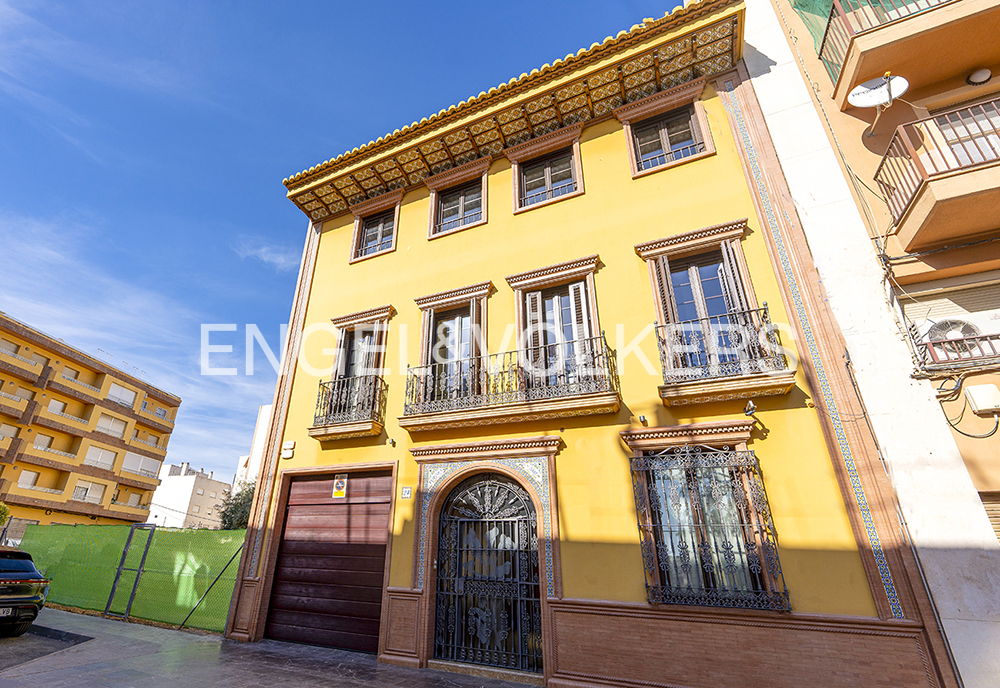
[[170, 502], [946, 520], [248, 469]]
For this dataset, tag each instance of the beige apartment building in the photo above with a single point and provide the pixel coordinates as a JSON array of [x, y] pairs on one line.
[[80, 440]]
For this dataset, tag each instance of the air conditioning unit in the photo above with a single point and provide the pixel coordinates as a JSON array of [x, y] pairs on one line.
[[950, 330], [984, 399]]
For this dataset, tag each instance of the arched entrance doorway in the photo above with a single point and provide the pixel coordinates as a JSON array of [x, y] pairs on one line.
[[487, 607]]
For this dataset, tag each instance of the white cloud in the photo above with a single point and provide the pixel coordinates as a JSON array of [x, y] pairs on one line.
[[50, 284], [281, 258]]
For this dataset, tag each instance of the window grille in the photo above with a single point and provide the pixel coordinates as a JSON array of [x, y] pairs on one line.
[[547, 178], [459, 207], [376, 234], [706, 531], [667, 138]]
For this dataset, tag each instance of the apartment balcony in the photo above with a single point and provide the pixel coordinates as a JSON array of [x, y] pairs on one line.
[[79, 383], [960, 353], [349, 407], [574, 378], [12, 405], [20, 366], [926, 41], [732, 356], [940, 175]]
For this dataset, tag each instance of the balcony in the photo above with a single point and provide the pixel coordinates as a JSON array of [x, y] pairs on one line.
[[732, 356], [572, 378], [927, 41], [940, 173], [349, 407], [966, 351]]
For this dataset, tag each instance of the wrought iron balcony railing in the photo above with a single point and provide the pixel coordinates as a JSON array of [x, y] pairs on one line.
[[730, 345], [947, 352], [570, 368], [950, 141], [850, 17], [351, 400]]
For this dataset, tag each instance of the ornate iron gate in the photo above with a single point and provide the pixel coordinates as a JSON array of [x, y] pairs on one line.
[[488, 611]]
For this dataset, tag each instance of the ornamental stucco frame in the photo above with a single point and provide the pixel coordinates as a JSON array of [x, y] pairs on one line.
[[449, 179], [657, 104], [531, 460], [551, 276], [375, 206], [431, 304], [540, 146], [693, 242]]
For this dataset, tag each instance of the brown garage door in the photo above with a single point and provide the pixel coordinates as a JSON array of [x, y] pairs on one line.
[[328, 578]]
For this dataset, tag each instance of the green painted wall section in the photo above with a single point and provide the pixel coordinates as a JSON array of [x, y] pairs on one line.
[[82, 560]]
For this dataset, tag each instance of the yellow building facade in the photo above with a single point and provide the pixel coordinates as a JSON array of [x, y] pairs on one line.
[[80, 441], [566, 405]]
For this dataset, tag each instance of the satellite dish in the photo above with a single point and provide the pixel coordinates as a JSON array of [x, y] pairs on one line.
[[878, 92]]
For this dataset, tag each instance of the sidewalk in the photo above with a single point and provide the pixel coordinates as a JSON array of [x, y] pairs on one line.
[[124, 655]]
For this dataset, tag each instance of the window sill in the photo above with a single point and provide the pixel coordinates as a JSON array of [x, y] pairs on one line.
[[636, 174], [358, 259], [727, 389], [579, 405], [456, 230], [542, 204], [343, 431]]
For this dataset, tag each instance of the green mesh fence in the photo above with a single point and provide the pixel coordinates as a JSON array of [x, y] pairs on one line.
[[181, 564], [814, 14]]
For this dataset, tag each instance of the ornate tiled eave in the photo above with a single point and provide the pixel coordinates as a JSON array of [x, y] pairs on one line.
[[389, 164]]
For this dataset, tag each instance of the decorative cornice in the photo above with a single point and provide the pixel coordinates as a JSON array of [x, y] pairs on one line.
[[544, 445], [647, 30], [691, 241], [663, 101], [584, 89], [377, 204], [546, 143], [459, 174], [555, 273], [370, 315], [727, 431], [454, 296]]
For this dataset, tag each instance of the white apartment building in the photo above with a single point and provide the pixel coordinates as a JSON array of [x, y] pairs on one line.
[[248, 468], [187, 498]]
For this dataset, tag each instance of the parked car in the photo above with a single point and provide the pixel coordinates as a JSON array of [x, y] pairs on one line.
[[22, 591]]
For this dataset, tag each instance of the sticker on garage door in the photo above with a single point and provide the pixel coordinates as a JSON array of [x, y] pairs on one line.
[[340, 486]]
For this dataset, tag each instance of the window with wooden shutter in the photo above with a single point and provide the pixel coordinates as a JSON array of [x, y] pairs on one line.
[[712, 327]]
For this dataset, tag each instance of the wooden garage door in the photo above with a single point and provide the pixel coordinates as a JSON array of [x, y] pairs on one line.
[[328, 578]]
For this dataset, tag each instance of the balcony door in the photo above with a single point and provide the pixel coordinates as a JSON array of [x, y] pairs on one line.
[[710, 330], [559, 341], [355, 382], [450, 354]]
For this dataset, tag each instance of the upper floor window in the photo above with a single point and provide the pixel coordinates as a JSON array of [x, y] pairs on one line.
[[86, 491], [547, 178], [458, 207], [666, 128], [666, 138], [121, 395], [547, 168], [7, 430], [375, 223], [110, 425], [378, 234], [954, 327]]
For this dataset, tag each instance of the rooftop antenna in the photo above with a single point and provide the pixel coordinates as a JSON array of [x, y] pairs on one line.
[[878, 93]]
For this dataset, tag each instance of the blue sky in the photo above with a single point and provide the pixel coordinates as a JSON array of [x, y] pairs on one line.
[[143, 144]]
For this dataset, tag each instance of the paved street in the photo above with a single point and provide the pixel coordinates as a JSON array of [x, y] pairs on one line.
[[123, 655]]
